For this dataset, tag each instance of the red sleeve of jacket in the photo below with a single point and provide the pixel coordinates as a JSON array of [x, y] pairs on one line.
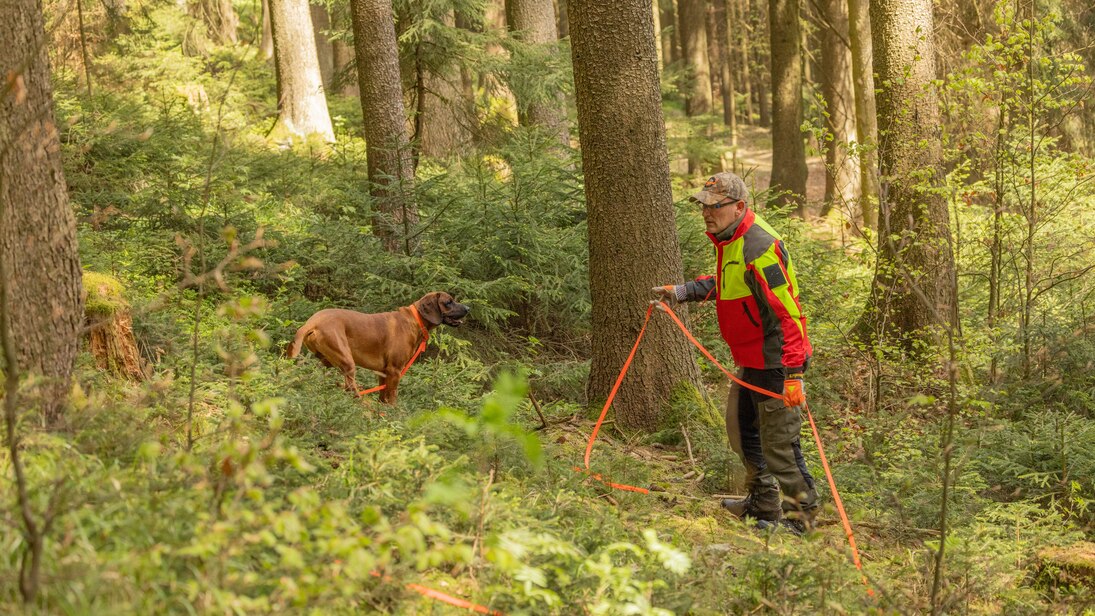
[[781, 299]]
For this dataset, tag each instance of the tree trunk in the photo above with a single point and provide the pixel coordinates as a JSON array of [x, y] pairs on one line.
[[788, 146], [533, 22], [841, 173], [628, 196], [444, 115], [763, 83], [117, 18], [723, 19], [866, 120], [266, 47], [659, 40], [915, 241], [693, 36], [40, 269], [471, 22], [562, 26], [714, 54], [302, 104], [391, 179], [220, 19], [321, 24], [342, 56], [743, 29], [670, 32]]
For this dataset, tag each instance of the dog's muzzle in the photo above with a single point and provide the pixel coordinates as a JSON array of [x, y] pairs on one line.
[[455, 317]]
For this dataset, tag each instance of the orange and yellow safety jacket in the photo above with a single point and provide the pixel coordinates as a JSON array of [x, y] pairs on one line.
[[756, 298]]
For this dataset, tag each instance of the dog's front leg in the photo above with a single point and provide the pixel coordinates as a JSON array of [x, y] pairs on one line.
[[391, 384]]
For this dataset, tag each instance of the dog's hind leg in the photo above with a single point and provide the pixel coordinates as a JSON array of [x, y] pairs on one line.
[[349, 376]]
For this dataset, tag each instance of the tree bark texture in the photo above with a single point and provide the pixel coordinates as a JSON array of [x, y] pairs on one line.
[[628, 196], [671, 51], [532, 22], [220, 19], [659, 40], [444, 115], [302, 103], [693, 36], [788, 147], [266, 46], [859, 35], [723, 22], [41, 267], [391, 179], [562, 19], [321, 24], [915, 228], [714, 55], [841, 171], [741, 31], [342, 56]]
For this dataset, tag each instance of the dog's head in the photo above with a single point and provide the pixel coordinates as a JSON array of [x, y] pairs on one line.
[[440, 307]]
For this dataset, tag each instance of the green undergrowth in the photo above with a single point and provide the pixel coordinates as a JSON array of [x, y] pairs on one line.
[[260, 486]]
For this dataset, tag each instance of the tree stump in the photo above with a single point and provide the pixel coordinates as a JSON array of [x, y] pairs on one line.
[[110, 327], [1068, 566]]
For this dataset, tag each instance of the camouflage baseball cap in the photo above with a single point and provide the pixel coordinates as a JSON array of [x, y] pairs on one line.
[[720, 187]]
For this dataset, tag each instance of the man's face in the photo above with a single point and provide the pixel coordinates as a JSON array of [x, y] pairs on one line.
[[717, 219]]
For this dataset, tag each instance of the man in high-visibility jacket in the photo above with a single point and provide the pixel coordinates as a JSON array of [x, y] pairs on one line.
[[756, 296]]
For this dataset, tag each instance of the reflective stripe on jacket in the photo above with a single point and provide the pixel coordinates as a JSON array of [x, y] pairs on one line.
[[757, 298]]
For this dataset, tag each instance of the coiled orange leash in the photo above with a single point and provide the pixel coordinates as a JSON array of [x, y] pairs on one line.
[[813, 426]]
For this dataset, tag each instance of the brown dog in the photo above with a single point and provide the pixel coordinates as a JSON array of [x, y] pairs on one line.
[[382, 342]]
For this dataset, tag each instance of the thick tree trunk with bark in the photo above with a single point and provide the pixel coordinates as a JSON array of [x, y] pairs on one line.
[[220, 19], [693, 36], [391, 178], [628, 196], [788, 147], [916, 256], [841, 172], [859, 35], [40, 269], [533, 22], [302, 103]]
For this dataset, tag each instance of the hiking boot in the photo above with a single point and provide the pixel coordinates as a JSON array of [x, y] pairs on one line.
[[740, 507], [795, 527], [759, 505], [801, 521]]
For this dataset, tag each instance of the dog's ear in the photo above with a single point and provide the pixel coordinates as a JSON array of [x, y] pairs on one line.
[[430, 308]]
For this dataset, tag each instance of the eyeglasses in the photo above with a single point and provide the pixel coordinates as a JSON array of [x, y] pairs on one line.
[[719, 205]]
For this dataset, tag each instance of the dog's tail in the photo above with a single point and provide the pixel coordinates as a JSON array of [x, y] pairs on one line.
[[293, 348]]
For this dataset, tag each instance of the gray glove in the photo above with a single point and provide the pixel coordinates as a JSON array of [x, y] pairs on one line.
[[667, 293]]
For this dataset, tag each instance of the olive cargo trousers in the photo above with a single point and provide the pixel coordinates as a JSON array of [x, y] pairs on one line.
[[765, 435]]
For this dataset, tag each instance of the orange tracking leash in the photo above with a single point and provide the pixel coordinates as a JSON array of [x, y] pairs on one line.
[[421, 347], [437, 595], [813, 426]]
